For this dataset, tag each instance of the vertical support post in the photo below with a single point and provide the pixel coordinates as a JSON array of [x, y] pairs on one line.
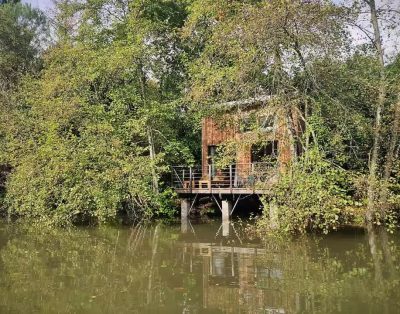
[[183, 178], [209, 177], [225, 228], [230, 178], [184, 225], [226, 209], [232, 262], [185, 207], [253, 183], [190, 179]]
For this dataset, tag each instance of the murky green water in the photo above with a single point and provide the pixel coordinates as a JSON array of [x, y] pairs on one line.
[[158, 269]]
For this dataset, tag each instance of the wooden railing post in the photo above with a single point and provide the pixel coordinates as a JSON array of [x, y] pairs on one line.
[[209, 177], [230, 178], [190, 179], [253, 175]]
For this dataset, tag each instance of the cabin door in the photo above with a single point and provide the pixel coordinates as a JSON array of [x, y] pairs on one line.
[[212, 154]]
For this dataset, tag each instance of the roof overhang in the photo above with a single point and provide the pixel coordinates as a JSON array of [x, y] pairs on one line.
[[243, 104]]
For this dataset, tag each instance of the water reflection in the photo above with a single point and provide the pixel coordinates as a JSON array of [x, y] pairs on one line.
[[234, 281], [200, 268]]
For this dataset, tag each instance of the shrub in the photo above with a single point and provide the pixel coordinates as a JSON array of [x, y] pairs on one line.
[[312, 195]]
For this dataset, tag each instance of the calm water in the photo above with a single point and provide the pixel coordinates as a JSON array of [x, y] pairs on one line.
[[209, 269]]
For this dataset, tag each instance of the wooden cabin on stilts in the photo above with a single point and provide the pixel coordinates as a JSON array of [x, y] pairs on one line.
[[254, 167]]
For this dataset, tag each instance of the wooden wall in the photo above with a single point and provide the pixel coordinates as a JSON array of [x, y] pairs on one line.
[[213, 134]]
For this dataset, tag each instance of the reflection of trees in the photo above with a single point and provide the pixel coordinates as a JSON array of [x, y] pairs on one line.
[[306, 275], [150, 269], [320, 278], [93, 271]]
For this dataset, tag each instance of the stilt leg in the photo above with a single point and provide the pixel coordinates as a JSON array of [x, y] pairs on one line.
[[226, 212], [185, 207]]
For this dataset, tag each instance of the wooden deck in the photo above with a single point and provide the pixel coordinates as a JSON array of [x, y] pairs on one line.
[[238, 179], [222, 191]]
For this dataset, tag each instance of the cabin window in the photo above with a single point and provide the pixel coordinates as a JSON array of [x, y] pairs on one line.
[[266, 123], [246, 124], [265, 153]]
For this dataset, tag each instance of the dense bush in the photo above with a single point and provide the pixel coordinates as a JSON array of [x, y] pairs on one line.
[[91, 134], [313, 195]]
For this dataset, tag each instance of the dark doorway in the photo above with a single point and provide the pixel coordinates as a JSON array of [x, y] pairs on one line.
[[211, 155]]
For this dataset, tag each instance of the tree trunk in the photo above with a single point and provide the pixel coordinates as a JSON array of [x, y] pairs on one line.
[[387, 254], [373, 247], [311, 84], [154, 247], [390, 156], [286, 110], [152, 158], [150, 137], [373, 166]]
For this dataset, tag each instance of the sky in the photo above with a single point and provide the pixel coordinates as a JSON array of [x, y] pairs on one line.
[[391, 38], [42, 4]]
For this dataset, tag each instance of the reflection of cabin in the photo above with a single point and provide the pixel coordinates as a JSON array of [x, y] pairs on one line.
[[233, 280], [259, 143]]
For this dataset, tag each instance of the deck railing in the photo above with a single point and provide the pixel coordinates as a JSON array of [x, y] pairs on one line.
[[235, 176]]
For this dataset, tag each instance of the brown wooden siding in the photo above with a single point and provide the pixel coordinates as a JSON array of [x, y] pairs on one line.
[[213, 134]]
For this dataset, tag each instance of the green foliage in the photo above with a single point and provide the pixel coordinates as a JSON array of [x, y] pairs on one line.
[[84, 129], [89, 125], [166, 203], [342, 116], [240, 42], [22, 30], [313, 195]]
